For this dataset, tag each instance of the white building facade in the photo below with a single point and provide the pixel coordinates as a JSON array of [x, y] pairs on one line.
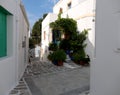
[[83, 11], [105, 70], [14, 29], [46, 35]]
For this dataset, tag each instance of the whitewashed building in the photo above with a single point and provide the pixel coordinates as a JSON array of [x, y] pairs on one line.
[[14, 29], [83, 11], [105, 70], [46, 35]]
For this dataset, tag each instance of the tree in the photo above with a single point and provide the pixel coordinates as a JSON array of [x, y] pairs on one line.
[[31, 43], [36, 30]]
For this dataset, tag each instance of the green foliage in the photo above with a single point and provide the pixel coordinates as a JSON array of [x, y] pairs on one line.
[[79, 55], [78, 41], [36, 30], [58, 55], [53, 47], [31, 43], [65, 44], [50, 56], [65, 25], [44, 15], [73, 41], [77, 45]]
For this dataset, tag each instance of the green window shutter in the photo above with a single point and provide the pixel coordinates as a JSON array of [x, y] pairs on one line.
[[3, 34]]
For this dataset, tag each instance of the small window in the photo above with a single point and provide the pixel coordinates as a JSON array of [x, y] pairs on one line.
[[69, 5], [3, 34], [3, 31]]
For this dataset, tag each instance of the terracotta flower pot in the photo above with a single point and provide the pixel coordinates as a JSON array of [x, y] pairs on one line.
[[82, 63], [60, 63]]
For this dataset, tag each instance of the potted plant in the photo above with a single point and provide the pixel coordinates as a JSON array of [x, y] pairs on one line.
[[65, 45], [85, 61], [81, 58], [53, 46], [50, 56], [57, 57]]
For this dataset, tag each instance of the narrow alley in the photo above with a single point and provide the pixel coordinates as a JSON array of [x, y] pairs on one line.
[[44, 78]]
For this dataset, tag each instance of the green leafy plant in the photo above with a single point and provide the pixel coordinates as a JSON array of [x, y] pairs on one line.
[[31, 43], [53, 46], [36, 30], [72, 41], [50, 56], [77, 56], [78, 41], [65, 44], [67, 26], [59, 55], [81, 58]]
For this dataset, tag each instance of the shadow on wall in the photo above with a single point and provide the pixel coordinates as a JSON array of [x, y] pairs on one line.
[[90, 49], [44, 54]]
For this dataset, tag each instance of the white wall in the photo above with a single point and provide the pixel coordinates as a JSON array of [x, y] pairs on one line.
[[9, 72], [48, 38], [78, 8], [105, 70], [37, 51]]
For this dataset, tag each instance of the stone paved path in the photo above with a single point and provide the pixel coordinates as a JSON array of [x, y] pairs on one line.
[[44, 78], [44, 68], [21, 89]]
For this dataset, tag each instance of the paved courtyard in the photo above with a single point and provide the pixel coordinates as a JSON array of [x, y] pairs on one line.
[[44, 78]]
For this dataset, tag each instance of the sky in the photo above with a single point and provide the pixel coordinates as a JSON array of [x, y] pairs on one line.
[[36, 8]]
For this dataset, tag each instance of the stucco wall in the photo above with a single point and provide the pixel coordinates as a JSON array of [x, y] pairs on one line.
[[105, 70], [11, 68], [46, 35]]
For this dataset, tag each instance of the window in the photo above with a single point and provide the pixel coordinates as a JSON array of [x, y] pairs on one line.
[[3, 34], [56, 36], [3, 31], [69, 5]]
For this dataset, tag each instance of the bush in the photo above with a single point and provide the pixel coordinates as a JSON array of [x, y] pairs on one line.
[[31, 43], [50, 56], [58, 55], [65, 44], [80, 55], [53, 47], [78, 41]]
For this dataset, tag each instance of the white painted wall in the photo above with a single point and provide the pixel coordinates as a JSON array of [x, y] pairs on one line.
[[105, 70], [11, 68], [48, 38], [37, 51]]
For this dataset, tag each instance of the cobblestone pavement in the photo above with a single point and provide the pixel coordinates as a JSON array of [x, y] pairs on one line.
[[21, 89], [44, 68], [44, 78]]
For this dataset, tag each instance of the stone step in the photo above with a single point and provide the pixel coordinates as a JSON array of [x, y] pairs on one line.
[[14, 92]]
